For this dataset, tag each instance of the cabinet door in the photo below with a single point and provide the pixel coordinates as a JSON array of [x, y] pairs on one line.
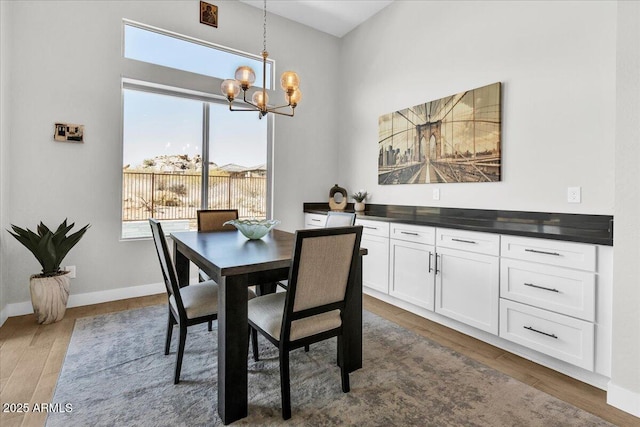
[[467, 288], [375, 265], [409, 278]]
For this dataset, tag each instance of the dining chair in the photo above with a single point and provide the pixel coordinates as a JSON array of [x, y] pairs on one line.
[[322, 271], [213, 220], [334, 219], [188, 305], [340, 219]]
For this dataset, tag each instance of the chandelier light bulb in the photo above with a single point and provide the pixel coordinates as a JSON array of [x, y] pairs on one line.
[[295, 97], [289, 81], [230, 88], [245, 76], [261, 99]]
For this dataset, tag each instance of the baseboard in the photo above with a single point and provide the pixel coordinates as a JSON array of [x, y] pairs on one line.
[[77, 300], [623, 399], [3, 315]]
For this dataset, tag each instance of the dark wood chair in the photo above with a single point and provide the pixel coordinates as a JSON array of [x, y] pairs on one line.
[[323, 268], [214, 219], [340, 219], [188, 305], [334, 219]]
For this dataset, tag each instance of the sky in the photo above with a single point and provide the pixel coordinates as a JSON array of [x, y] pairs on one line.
[[163, 125]]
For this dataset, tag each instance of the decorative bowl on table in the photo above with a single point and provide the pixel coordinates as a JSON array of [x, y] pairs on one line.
[[253, 229]]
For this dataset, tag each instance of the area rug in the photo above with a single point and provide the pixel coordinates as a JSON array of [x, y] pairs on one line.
[[116, 374]]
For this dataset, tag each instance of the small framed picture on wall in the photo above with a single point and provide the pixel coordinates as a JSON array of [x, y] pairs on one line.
[[67, 132], [208, 14]]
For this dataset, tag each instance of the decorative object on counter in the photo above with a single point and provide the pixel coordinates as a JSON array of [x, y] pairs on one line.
[[245, 77], [337, 198], [67, 132], [436, 147], [359, 197], [49, 289], [253, 229]]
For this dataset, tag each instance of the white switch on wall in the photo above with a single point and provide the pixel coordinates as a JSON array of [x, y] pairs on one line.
[[573, 195]]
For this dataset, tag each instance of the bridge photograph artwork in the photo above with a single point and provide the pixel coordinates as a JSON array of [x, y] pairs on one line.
[[452, 139]]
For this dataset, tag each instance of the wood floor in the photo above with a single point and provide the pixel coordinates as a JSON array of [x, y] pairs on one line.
[[31, 357]]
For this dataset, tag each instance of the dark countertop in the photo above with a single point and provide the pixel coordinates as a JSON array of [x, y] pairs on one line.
[[597, 229]]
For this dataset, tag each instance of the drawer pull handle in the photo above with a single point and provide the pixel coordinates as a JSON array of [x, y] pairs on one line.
[[410, 234], [316, 220], [369, 227], [542, 252], [465, 241], [541, 287], [554, 336]]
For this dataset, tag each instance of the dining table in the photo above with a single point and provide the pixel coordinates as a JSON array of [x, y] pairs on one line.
[[235, 263]]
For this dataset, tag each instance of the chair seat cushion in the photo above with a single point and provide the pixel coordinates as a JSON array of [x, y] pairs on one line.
[[266, 313], [200, 299]]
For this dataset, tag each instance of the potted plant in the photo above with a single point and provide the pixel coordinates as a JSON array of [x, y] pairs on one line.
[[50, 288], [359, 197]]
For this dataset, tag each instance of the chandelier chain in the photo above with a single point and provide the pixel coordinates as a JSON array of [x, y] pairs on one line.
[[264, 28]]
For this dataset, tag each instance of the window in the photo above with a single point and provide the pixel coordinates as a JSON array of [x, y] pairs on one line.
[[159, 47], [183, 152]]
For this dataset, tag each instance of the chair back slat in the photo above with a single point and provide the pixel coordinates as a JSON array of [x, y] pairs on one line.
[[323, 266], [166, 265], [340, 219], [213, 220]]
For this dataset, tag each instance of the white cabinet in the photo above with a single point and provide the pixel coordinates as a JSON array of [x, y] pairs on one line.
[[467, 285], [375, 265], [411, 276], [548, 297]]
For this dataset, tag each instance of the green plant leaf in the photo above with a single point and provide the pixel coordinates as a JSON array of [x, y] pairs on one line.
[[49, 248]]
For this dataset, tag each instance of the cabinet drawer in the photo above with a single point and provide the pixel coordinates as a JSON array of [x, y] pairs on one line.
[[559, 336], [564, 291], [563, 254], [373, 228], [413, 233], [314, 220], [472, 241]]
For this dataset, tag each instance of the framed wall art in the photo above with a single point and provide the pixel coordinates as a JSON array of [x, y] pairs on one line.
[[67, 132], [208, 14], [452, 139]]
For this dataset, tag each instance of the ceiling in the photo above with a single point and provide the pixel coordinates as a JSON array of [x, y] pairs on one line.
[[335, 17]]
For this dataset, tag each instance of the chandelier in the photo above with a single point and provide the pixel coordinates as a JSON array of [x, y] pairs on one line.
[[245, 77]]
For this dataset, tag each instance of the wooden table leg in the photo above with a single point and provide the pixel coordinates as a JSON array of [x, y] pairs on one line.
[[182, 266], [353, 323], [233, 348], [266, 288]]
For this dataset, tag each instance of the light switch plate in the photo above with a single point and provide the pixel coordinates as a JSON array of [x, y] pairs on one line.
[[436, 194], [72, 271], [574, 195]]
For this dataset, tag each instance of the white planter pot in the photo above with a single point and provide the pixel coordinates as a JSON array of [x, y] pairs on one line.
[[49, 297], [358, 206]]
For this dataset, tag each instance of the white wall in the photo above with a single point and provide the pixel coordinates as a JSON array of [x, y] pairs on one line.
[[5, 25], [625, 373], [67, 67], [556, 61], [562, 122]]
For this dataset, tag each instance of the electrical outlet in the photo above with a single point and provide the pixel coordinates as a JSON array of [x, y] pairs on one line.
[[72, 271], [436, 194], [574, 195]]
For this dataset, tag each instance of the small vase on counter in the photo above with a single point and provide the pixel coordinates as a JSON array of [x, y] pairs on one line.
[[359, 199], [358, 206]]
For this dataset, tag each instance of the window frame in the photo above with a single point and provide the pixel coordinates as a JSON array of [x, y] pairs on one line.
[[162, 80]]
